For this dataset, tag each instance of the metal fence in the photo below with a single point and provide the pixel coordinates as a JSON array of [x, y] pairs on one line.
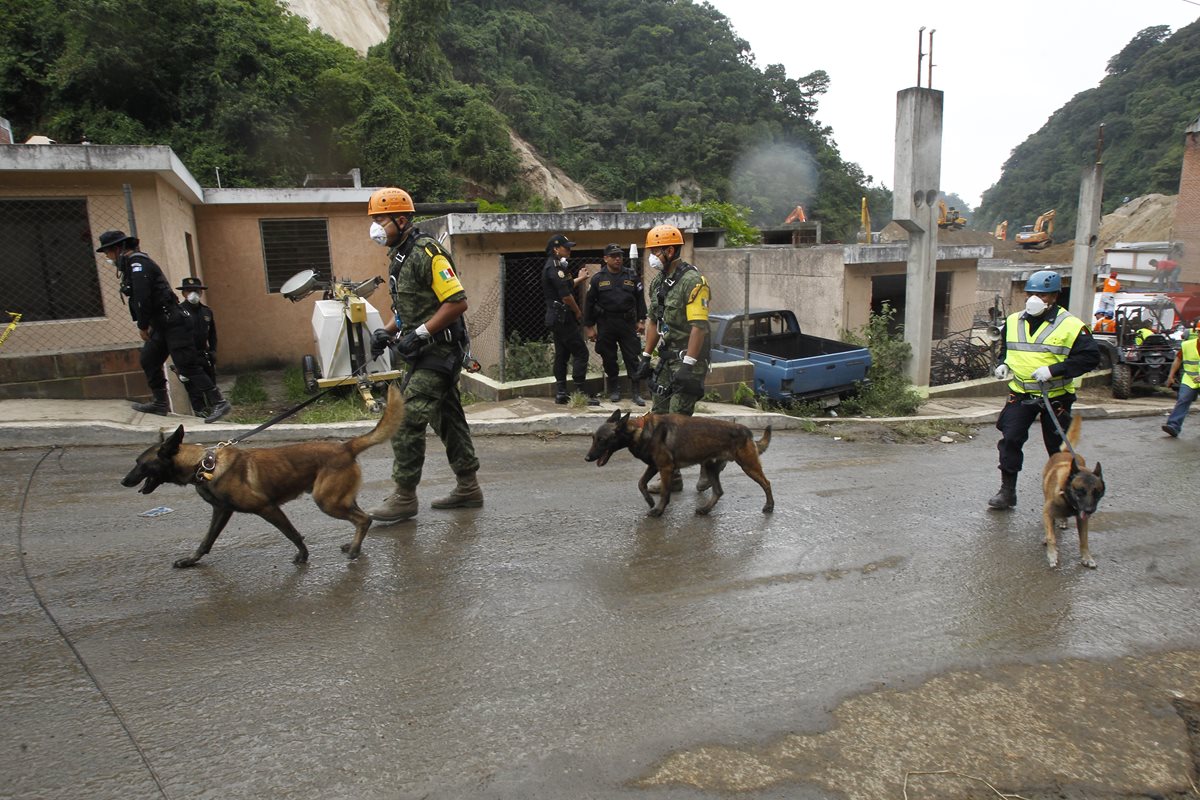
[[67, 297], [968, 349]]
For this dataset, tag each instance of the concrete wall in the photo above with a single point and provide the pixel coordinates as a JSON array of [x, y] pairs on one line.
[[258, 328], [810, 281]]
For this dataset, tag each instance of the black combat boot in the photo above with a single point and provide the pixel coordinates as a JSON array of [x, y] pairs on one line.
[[220, 406], [614, 389], [159, 405], [637, 395], [1007, 496], [560, 394], [592, 399]]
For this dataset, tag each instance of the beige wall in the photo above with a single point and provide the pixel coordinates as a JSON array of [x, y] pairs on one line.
[[258, 328]]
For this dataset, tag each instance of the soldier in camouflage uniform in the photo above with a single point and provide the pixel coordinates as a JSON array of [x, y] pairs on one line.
[[678, 326], [429, 334]]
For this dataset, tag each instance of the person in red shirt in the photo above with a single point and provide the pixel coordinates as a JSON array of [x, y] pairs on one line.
[[1167, 274]]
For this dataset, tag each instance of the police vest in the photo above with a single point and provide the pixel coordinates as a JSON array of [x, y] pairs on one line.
[[1190, 354], [1052, 344]]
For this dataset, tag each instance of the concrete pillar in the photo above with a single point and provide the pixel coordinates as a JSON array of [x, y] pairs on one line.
[[914, 207], [1087, 230]]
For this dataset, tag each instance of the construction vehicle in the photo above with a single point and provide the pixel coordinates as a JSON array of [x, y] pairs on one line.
[[1001, 231], [950, 220], [1037, 236], [797, 215]]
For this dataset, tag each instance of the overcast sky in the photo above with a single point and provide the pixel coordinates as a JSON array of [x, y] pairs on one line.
[[1004, 67]]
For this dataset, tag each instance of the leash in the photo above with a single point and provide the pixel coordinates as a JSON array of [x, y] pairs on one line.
[[208, 463], [1054, 419]]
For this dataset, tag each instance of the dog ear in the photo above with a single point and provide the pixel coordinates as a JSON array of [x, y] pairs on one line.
[[1074, 470], [625, 419], [171, 446], [1096, 471], [616, 415]]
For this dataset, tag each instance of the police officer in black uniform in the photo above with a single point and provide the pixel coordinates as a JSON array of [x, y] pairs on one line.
[[166, 327], [614, 316], [206, 328], [563, 316]]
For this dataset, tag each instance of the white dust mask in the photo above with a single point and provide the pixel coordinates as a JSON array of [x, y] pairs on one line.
[[378, 234], [654, 261], [193, 298], [1034, 306]]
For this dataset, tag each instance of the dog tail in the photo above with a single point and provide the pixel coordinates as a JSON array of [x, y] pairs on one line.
[[1072, 433], [765, 442], [389, 423]]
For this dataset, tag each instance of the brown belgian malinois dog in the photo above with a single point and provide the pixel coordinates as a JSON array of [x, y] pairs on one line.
[[1071, 490], [259, 481], [670, 442]]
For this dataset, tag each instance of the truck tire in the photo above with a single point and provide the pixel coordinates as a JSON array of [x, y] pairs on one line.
[[310, 372], [1122, 379]]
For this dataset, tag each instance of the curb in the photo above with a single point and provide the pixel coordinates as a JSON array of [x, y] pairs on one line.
[[103, 433]]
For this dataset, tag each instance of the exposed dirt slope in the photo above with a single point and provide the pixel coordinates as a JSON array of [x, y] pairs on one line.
[[1144, 219]]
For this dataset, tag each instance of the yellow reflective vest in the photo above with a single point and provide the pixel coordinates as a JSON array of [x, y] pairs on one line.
[[1190, 367], [1025, 352]]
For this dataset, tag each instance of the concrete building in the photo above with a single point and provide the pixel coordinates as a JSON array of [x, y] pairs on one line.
[[75, 338]]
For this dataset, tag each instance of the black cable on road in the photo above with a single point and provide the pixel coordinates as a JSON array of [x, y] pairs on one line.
[[49, 615]]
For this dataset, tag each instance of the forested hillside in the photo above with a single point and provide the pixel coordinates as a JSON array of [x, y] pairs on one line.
[[1149, 96], [634, 98]]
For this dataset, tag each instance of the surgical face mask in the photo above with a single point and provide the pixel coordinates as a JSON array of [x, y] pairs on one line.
[[1035, 305], [378, 234], [193, 298], [654, 261]]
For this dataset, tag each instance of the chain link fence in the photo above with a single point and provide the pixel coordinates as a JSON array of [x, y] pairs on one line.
[[967, 351], [67, 297]]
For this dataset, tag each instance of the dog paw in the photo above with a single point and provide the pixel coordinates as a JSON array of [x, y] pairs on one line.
[[301, 558], [1052, 558], [703, 510], [654, 512], [768, 508], [184, 563], [346, 547], [1088, 562]]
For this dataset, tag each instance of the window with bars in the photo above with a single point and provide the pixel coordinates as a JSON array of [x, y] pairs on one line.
[[294, 245], [48, 268]]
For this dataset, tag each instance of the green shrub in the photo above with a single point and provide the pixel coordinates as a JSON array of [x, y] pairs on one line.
[[890, 393], [526, 358], [743, 395]]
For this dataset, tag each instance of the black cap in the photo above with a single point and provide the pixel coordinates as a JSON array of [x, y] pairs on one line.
[[613, 250], [558, 240], [188, 284], [112, 239]]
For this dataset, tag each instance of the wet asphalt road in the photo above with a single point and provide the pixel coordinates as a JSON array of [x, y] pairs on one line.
[[557, 643]]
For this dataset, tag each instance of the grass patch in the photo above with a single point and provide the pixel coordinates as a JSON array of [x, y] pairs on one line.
[[248, 390]]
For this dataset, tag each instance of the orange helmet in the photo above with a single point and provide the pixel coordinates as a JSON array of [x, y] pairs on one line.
[[389, 200], [663, 235]]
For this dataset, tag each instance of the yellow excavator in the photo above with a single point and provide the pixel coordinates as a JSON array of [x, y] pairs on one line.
[[1037, 235], [950, 220], [1001, 231]]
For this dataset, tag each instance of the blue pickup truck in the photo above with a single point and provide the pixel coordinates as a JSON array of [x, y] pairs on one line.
[[788, 365]]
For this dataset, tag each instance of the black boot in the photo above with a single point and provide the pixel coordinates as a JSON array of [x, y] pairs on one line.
[[560, 394], [159, 405], [614, 389], [220, 406], [592, 399], [637, 394], [1007, 496]]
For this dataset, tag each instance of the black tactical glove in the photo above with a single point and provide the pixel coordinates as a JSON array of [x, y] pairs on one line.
[[409, 345], [380, 340], [686, 381], [643, 369]]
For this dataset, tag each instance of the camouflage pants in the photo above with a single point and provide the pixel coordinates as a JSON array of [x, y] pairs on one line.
[[676, 402], [432, 399]]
